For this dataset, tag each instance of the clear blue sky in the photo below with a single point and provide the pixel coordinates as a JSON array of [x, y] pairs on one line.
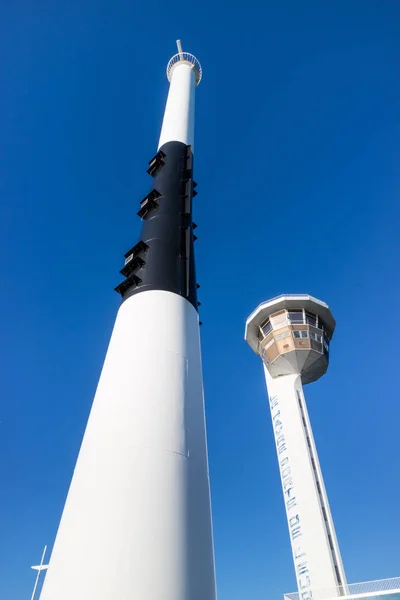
[[297, 160]]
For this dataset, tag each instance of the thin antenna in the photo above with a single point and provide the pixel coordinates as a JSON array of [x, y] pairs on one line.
[[178, 43], [39, 569]]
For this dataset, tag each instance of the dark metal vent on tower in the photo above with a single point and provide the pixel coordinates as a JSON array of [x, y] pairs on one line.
[[131, 282], [137, 249], [149, 203], [132, 264], [134, 261], [156, 163]]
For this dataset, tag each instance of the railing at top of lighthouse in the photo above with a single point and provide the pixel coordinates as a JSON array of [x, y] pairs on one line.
[[185, 58]]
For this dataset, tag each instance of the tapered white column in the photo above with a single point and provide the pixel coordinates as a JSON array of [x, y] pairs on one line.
[[315, 548], [137, 520]]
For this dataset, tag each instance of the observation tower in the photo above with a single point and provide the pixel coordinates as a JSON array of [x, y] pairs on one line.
[[292, 335]]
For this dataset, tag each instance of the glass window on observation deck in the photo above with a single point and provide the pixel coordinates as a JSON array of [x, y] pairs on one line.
[[316, 336], [300, 334], [266, 328], [311, 319], [296, 316]]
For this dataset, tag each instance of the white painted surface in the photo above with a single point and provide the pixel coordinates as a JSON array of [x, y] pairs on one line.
[[313, 558], [137, 520], [178, 122]]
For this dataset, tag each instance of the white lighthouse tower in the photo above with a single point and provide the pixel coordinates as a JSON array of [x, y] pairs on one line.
[[137, 520], [292, 334]]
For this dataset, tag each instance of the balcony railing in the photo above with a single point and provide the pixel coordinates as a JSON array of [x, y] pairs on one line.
[[366, 589]]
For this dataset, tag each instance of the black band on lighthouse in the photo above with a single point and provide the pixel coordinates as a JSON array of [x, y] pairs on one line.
[[163, 259]]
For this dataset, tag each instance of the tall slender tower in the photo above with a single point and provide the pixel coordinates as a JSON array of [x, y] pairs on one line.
[[292, 334], [137, 520]]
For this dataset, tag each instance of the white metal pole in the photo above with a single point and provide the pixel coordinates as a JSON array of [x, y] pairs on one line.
[[180, 51], [39, 569]]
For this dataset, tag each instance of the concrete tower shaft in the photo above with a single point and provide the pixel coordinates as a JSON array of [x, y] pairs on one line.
[[292, 334], [137, 519]]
